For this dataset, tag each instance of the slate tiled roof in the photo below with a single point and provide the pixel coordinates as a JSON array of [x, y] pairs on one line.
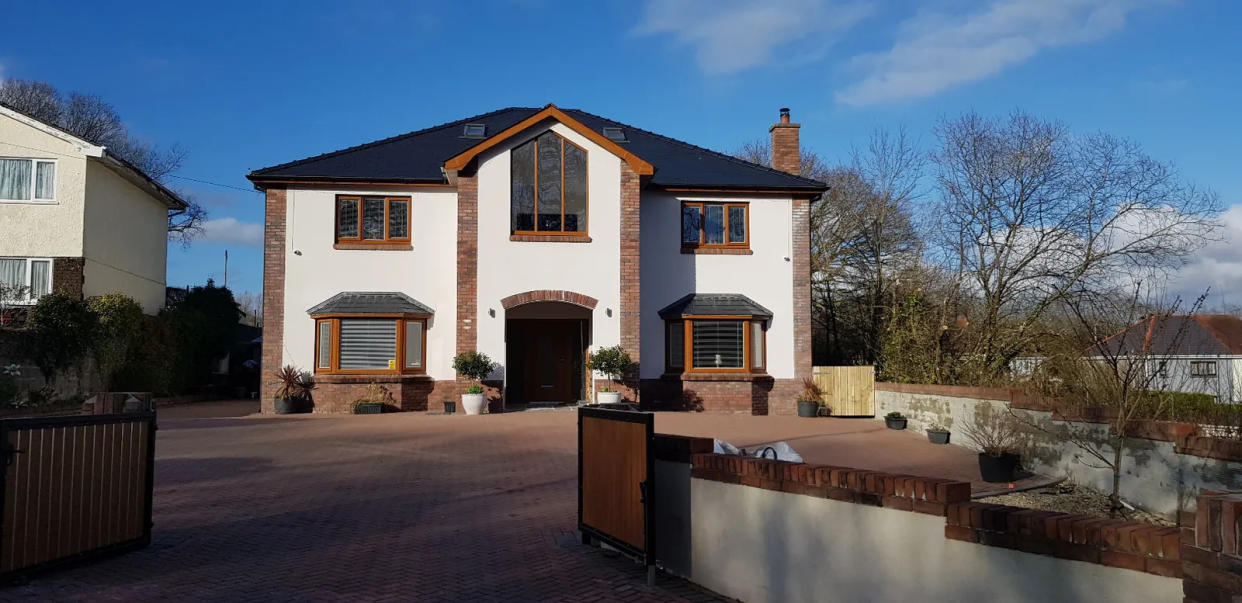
[[1184, 335], [715, 304], [370, 302], [417, 157]]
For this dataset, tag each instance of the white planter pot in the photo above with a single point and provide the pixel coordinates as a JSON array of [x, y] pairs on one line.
[[607, 397], [473, 404]]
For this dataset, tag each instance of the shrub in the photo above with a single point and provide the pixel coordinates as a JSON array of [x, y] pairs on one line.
[[474, 365], [119, 325], [994, 431], [61, 330], [894, 415], [811, 391], [294, 383], [611, 361], [474, 389]]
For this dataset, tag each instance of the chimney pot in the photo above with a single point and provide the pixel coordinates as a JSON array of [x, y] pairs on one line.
[[784, 115]]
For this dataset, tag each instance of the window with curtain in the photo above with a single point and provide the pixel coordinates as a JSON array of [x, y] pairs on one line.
[[715, 344], [25, 280], [371, 344], [548, 180], [372, 220], [27, 179], [723, 225]]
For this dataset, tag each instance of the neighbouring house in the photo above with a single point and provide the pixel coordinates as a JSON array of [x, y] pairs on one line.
[[1196, 353], [76, 218], [536, 235]]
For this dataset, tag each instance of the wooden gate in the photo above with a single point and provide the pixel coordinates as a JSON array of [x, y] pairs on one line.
[[615, 469], [848, 390], [74, 488]]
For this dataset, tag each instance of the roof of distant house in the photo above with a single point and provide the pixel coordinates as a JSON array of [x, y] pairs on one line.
[[1180, 335], [418, 157]]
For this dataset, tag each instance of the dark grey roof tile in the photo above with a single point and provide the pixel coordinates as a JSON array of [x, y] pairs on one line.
[[370, 302]]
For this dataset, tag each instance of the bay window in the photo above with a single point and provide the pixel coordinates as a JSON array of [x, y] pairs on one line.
[[24, 280], [548, 180], [27, 179], [719, 344], [370, 344], [715, 225]]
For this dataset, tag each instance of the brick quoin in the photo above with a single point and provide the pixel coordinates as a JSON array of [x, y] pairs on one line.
[[630, 274], [68, 276], [273, 295], [467, 263]]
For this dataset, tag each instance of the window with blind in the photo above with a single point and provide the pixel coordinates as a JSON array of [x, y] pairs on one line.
[[372, 220], [548, 180], [27, 179], [370, 344], [723, 225], [715, 345], [24, 280]]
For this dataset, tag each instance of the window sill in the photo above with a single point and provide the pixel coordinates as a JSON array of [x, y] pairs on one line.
[[716, 250], [525, 238], [717, 377], [374, 246], [29, 201], [376, 378]]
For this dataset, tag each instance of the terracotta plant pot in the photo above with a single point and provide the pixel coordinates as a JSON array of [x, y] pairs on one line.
[[473, 404]]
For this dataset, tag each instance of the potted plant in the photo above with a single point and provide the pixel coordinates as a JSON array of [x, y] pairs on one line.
[[476, 366], [294, 391], [937, 434], [997, 436], [810, 399], [895, 420], [373, 401], [613, 362]]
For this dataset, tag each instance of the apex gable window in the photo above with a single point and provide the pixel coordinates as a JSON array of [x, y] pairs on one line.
[[715, 225], [548, 196], [24, 179], [370, 220]]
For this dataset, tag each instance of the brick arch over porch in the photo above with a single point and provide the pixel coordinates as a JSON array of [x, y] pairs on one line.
[[542, 295]]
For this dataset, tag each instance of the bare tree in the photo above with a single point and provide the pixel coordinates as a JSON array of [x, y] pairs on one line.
[[251, 305], [1029, 213], [93, 119]]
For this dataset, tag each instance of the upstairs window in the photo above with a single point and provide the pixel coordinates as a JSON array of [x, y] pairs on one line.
[[27, 179], [715, 225], [372, 220], [549, 187]]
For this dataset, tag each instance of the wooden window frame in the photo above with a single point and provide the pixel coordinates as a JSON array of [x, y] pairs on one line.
[[334, 347], [576, 234], [687, 321], [702, 207], [357, 239]]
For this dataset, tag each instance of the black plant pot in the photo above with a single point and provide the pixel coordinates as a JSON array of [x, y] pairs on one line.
[[998, 468], [936, 436], [286, 406], [450, 407], [895, 423], [808, 409], [368, 409]]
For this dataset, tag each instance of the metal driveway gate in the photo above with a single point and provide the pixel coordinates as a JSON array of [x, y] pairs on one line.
[[615, 480]]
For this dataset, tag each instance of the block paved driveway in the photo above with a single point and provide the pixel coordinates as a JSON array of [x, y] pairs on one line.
[[387, 507]]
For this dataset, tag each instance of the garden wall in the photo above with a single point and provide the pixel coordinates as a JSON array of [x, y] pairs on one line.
[[1163, 471], [72, 382]]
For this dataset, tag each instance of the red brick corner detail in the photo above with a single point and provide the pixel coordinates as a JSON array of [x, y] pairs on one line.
[[568, 297], [273, 295], [631, 317], [802, 287]]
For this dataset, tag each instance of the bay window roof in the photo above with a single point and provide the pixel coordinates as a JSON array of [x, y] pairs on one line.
[[370, 302], [715, 304]]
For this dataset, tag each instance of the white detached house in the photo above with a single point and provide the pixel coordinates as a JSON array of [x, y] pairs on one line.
[[536, 236]]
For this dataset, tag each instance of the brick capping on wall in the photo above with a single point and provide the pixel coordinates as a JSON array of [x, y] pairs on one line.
[[273, 295], [1130, 545], [1185, 436], [541, 295]]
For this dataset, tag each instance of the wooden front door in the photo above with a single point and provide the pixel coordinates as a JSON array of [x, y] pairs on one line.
[[548, 357]]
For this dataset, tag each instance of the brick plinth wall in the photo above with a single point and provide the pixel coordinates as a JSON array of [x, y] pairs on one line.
[[335, 394], [743, 394], [273, 295], [631, 318], [1211, 559], [69, 276]]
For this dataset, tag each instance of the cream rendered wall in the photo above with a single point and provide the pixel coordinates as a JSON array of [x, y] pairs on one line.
[[795, 548], [766, 276], [428, 273], [125, 239], [507, 267], [43, 229]]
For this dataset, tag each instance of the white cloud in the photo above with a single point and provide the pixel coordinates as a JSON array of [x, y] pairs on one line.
[[232, 230], [733, 35], [935, 51], [1218, 266]]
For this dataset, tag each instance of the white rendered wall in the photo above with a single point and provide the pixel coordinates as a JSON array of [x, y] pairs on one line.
[[508, 267], [43, 229], [766, 276], [428, 273], [125, 240]]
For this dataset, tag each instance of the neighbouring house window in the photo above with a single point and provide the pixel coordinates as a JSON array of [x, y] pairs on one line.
[[27, 179], [1203, 368], [548, 178], [715, 224], [370, 344], [715, 345], [24, 280], [372, 220]]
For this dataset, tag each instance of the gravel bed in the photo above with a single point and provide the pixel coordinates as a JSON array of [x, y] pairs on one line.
[[1067, 497]]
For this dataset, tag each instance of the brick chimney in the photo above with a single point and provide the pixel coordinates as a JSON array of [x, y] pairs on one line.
[[786, 155]]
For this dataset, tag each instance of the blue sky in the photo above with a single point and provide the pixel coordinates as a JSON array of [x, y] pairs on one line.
[[246, 85]]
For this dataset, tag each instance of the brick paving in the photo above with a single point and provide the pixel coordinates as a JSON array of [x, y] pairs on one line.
[[394, 507]]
